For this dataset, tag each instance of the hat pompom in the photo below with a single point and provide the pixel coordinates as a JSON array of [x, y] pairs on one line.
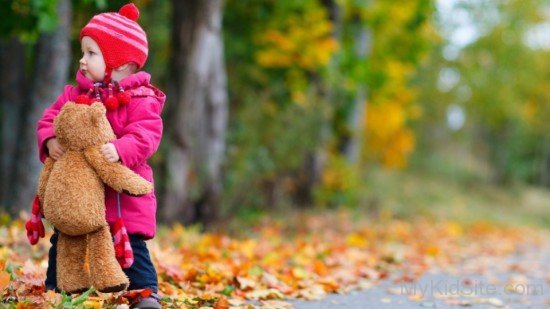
[[129, 11], [82, 99], [123, 97], [111, 104]]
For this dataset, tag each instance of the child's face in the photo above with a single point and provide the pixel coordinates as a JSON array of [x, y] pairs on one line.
[[92, 63]]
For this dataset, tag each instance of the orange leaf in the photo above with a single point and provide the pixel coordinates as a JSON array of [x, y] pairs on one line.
[[432, 250], [320, 268], [26, 306], [329, 285], [4, 280], [222, 303], [134, 294], [206, 296]]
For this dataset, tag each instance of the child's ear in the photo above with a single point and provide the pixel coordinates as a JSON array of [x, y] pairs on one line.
[[130, 66], [123, 67], [98, 111]]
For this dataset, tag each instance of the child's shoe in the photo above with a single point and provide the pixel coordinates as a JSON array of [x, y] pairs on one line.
[[148, 303], [143, 299]]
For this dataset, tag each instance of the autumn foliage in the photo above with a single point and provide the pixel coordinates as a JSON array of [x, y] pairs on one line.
[[303, 257]]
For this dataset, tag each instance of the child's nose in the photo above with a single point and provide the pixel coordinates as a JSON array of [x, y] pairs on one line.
[[82, 61]]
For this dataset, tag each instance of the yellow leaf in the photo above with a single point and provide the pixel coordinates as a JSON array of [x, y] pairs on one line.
[[454, 229], [206, 296], [299, 273], [92, 304], [356, 240], [432, 250]]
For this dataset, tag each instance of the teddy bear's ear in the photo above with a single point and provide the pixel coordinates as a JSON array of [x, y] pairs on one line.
[[69, 105], [98, 111]]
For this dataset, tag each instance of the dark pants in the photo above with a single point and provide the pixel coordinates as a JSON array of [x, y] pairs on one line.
[[142, 273]]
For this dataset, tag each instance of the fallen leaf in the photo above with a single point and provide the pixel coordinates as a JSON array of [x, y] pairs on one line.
[[245, 284], [495, 302], [265, 294], [275, 304], [92, 304], [222, 303], [4, 280]]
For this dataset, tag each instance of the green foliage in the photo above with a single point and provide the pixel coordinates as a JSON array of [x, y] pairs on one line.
[[340, 184], [267, 146], [428, 192], [5, 219], [396, 38], [509, 99], [11, 268], [25, 19], [67, 301], [277, 109], [101, 4], [293, 78]]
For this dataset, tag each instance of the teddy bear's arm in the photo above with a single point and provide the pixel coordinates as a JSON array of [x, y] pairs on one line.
[[116, 175], [44, 176]]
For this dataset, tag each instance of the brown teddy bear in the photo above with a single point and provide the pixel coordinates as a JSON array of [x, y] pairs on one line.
[[71, 192]]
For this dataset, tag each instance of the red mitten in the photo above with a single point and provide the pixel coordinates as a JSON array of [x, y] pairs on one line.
[[123, 250], [35, 227]]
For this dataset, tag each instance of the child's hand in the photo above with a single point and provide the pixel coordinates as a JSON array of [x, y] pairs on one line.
[[54, 148], [109, 152]]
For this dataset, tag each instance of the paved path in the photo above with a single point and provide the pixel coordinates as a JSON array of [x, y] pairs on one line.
[[518, 281]]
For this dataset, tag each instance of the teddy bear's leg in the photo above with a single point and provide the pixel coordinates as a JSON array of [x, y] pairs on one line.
[[106, 273], [72, 274]]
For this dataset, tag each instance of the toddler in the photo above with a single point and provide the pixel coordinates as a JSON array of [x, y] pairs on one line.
[[114, 48]]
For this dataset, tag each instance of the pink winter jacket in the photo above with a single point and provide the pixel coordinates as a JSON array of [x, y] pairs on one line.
[[138, 128]]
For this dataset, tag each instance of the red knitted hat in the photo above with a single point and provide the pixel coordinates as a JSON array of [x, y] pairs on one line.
[[119, 37]]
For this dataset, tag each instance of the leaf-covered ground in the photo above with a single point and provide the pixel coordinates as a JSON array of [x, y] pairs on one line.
[[300, 257]]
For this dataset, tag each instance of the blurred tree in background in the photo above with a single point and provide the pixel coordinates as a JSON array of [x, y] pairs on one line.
[[495, 83], [508, 79], [319, 94], [311, 69], [34, 58], [196, 122], [277, 53]]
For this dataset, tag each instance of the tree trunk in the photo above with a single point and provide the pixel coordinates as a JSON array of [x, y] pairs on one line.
[[544, 178], [51, 63], [12, 78], [314, 161], [199, 114], [356, 121]]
